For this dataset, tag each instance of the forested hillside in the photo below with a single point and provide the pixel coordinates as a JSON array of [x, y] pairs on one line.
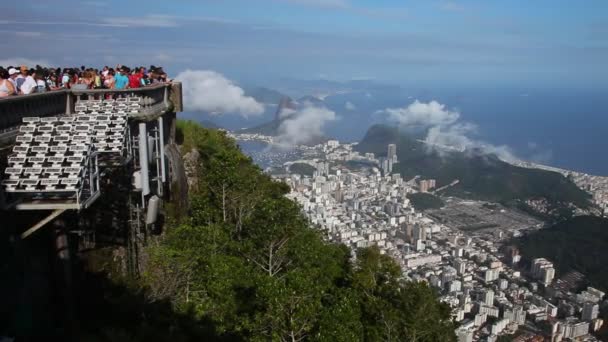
[[576, 244], [244, 264]]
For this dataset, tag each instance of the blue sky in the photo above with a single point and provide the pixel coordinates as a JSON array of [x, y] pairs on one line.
[[436, 43]]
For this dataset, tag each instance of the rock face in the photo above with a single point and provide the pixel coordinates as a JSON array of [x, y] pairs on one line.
[[192, 160], [178, 180]]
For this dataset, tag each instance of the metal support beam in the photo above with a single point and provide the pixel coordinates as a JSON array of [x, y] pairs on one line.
[[143, 159], [161, 128], [42, 223]]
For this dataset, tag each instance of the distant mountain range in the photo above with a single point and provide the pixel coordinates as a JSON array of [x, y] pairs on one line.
[[265, 95], [481, 176]]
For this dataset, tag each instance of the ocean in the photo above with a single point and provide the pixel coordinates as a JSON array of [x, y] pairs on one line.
[[565, 128]]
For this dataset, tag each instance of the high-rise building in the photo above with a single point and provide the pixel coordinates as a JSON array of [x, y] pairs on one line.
[[339, 195], [491, 274], [460, 265], [590, 311], [424, 186], [392, 152], [547, 275], [448, 274], [465, 335], [543, 270], [419, 232], [480, 319], [488, 297]]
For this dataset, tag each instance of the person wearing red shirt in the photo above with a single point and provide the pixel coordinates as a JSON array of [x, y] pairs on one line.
[[135, 78]]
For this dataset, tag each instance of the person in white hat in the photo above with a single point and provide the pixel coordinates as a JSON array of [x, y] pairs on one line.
[[12, 77]]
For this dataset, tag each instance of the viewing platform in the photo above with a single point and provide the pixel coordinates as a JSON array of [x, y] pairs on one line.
[[58, 145]]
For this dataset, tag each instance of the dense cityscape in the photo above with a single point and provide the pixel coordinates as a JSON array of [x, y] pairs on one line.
[[461, 250]]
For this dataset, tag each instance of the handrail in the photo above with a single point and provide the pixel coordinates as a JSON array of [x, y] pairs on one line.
[[17, 98]]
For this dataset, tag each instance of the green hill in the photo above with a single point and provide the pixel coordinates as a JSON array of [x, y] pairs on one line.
[[576, 244], [481, 176], [423, 201], [245, 265], [302, 169]]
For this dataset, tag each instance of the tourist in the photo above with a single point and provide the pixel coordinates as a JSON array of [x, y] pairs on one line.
[[135, 78], [13, 74], [6, 86], [121, 81], [41, 79], [145, 81], [65, 78], [41, 85], [23, 73], [109, 82], [29, 84], [97, 82]]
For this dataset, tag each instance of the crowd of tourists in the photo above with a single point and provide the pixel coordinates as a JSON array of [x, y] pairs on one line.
[[21, 80]]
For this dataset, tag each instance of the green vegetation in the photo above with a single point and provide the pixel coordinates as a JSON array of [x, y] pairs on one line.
[[423, 201], [481, 176], [579, 244], [302, 169], [245, 265]]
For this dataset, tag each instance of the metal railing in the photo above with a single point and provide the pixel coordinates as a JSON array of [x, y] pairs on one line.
[[158, 100]]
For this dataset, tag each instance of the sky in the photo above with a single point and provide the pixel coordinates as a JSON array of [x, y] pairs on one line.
[[436, 43]]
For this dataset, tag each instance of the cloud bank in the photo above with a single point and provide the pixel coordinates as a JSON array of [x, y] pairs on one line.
[[305, 125], [209, 91], [350, 106], [423, 114], [445, 130]]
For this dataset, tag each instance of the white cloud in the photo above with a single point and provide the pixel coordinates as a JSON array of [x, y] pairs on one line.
[[538, 154], [23, 61], [445, 131], [451, 6], [152, 20], [346, 5], [209, 91], [28, 34], [422, 114], [304, 125], [96, 3], [320, 3], [161, 21], [58, 23], [163, 57], [350, 106]]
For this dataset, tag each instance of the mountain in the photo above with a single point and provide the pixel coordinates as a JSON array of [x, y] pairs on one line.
[[209, 124], [481, 176], [272, 128], [265, 95], [311, 101], [576, 244]]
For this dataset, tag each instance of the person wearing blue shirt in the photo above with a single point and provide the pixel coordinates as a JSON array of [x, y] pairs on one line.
[[121, 80]]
